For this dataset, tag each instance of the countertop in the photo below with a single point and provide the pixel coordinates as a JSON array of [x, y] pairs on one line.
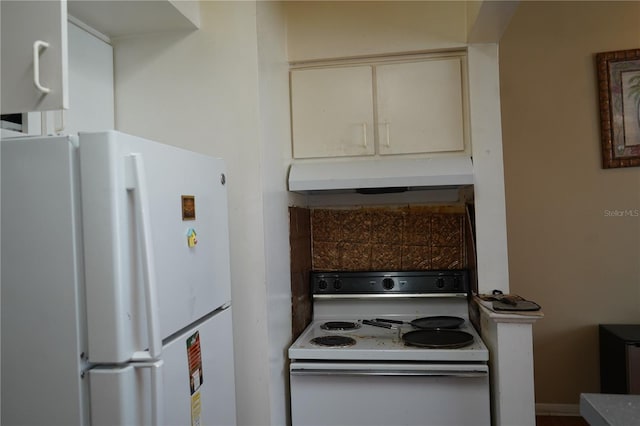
[[508, 316], [611, 410]]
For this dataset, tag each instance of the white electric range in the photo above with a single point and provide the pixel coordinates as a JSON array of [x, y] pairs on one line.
[[388, 348]]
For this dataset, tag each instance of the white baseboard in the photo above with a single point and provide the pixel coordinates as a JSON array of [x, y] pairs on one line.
[[557, 409]]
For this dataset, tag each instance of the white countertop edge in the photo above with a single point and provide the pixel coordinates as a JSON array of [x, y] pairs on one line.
[[521, 317]]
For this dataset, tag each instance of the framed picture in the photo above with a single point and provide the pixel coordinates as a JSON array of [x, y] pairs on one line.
[[619, 93]]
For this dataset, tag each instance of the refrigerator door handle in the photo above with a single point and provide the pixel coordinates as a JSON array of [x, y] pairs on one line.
[[123, 395], [156, 389], [136, 183]]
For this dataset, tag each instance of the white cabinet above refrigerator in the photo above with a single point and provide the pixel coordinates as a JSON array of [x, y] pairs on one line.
[[34, 56], [35, 41]]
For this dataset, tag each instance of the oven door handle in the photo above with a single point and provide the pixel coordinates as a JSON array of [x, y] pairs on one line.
[[346, 372], [388, 369]]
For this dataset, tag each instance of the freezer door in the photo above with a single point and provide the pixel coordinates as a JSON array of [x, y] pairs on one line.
[[156, 241], [197, 385]]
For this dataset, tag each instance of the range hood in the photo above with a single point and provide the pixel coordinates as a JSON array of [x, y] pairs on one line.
[[380, 175]]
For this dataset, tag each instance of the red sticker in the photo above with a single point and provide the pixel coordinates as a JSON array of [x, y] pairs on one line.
[[195, 362]]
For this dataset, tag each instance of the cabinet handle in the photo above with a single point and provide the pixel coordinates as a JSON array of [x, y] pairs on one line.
[[364, 134], [36, 65], [386, 126]]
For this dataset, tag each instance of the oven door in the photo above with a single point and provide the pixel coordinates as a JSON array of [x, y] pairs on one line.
[[350, 394]]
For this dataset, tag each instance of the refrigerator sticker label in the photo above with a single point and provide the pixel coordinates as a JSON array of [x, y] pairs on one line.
[[188, 207], [195, 362], [196, 408]]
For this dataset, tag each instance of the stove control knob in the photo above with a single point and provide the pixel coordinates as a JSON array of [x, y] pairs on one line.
[[322, 284], [337, 284], [440, 282], [388, 283], [456, 283]]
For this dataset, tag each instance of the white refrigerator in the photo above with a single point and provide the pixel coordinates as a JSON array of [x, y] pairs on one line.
[[116, 299]]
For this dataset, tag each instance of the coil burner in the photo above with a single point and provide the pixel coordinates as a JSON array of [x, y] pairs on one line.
[[333, 341], [340, 325]]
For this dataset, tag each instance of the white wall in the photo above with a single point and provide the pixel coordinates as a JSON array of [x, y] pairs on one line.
[[200, 90], [488, 172], [275, 144]]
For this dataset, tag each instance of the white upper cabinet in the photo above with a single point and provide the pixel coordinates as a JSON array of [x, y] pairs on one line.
[[118, 18], [34, 56], [35, 42], [410, 106], [420, 107], [332, 112]]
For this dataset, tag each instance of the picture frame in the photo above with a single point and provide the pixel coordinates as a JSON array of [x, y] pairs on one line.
[[619, 101]]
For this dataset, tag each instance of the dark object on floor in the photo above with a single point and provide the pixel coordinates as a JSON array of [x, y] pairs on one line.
[[560, 421]]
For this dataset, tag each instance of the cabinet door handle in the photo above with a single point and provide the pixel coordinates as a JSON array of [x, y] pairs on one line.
[[364, 134], [36, 65], [386, 126]]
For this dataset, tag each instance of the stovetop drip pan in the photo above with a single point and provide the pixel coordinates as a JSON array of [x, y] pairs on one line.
[[333, 341], [438, 339], [340, 325], [437, 322]]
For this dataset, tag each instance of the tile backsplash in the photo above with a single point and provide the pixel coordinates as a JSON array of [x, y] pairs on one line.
[[300, 246], [392, 238]]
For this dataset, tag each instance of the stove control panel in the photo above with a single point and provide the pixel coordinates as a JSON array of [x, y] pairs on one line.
[[409, 283]]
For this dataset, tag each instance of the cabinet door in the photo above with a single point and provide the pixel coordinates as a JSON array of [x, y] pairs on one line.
[[24, 24], [420, 107], [332, 112]]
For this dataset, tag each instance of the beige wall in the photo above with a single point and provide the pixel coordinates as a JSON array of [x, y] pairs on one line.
[[335, 29], [581, 265]]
